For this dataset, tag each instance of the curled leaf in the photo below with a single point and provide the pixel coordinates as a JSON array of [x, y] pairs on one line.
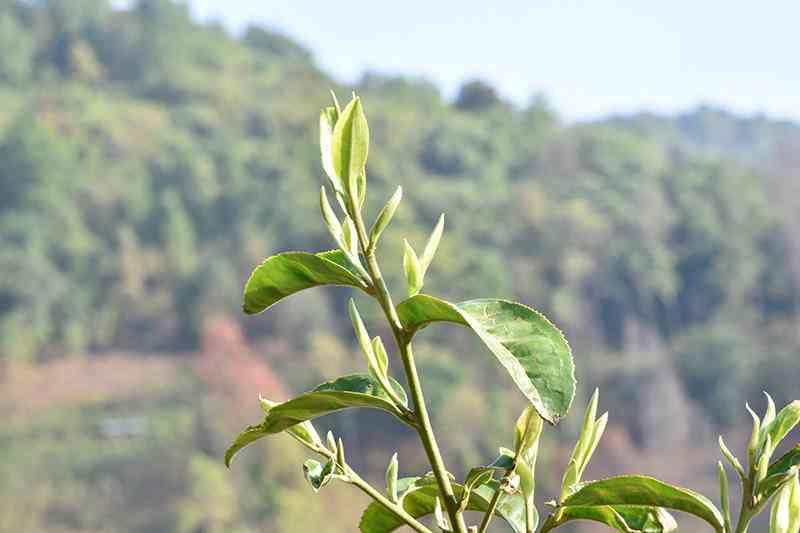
[[391, 479], [356, 390], [316, 474], [286, 273]]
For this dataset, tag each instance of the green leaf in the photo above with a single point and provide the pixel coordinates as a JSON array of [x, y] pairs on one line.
[[384, 217], [350, 144], [503, 463], [356, 390], [781, 424], [418, 497], [785, 513], [627, 518], [527, 431], [316, 474], [245, 437], [785, 463], [413, 271], [647, 491], [284, 274], [329, 216], [305, 432], [772, 484], [432, 245], [327, 121], [724, 497], [391, 479], [381, 357], [532, 350]]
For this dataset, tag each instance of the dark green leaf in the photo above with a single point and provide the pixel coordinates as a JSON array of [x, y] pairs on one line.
[[627, 518], [349, 391], [642, 490], [532, 350], [782, 465], [418, 498], [284, 274]]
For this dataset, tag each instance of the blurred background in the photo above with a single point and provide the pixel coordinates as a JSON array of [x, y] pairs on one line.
[[630, 169]]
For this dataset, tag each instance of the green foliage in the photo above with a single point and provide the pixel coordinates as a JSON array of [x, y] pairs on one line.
[[349, 391], [285, 274], [146, 161], [527, 345], [418, 496]]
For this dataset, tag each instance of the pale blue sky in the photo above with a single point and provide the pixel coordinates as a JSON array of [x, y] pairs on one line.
[[589, 57]]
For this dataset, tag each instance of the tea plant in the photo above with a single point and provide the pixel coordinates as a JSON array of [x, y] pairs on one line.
[[530, 348]]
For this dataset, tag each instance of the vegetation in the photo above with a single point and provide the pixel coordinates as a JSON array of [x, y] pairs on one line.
[[148, 161], [528, 346]]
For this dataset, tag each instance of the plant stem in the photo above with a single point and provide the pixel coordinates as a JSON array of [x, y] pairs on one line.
[[397, 509], [487, 518], [424, 428], [745, 510]]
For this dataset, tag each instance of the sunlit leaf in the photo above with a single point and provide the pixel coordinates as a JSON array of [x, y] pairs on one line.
[[782, 423], [357, 390], [350, 143], [627, 518], [647, 491], [531, 349], [284, 274]]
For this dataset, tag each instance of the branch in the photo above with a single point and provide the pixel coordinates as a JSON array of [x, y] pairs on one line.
[[424, 428]]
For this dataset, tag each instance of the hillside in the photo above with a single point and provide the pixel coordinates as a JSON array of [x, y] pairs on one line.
[[147, 162]]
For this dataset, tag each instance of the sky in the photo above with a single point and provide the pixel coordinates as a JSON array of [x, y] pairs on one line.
[[589, 58]]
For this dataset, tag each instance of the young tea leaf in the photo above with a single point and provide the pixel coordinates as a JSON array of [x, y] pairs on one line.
[[381, 357], [412, 269], [350, 145], [329, 216], [625, 518], [316, 474], [781, 425], [284, 274], [432, 245], [785, 463], [356, 390], [391, 479], [531, 349], [327, 122], [644, 491], [384, 217], [785, 513]]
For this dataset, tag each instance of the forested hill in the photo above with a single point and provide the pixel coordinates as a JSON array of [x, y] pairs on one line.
[[148, 161], [716, 132]]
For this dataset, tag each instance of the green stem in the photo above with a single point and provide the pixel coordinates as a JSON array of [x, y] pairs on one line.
[[487, 518], [397, 509], [424, 428]]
